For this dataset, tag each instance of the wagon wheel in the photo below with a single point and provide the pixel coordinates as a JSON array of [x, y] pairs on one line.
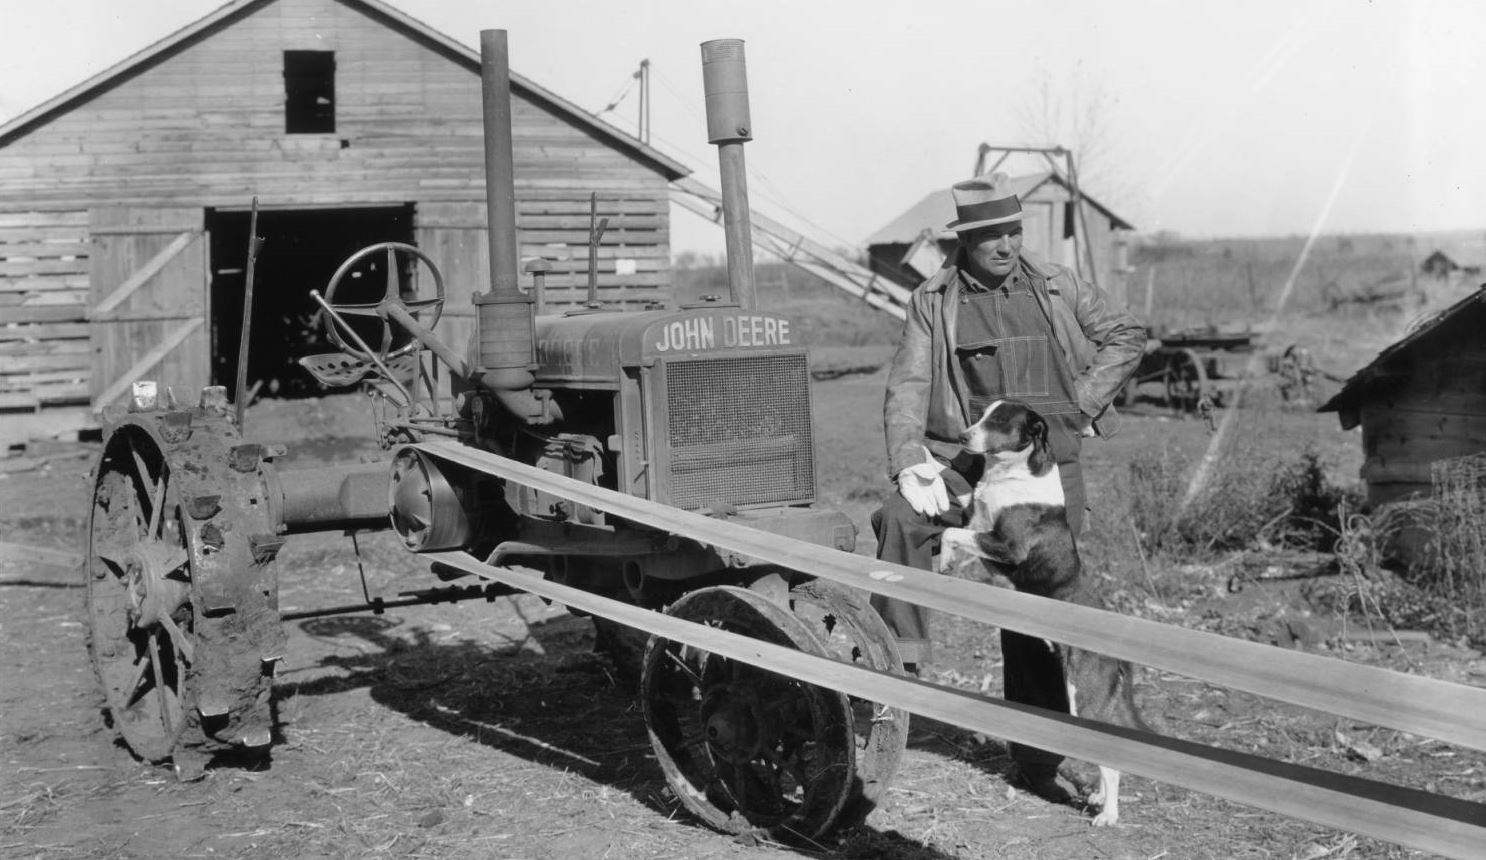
[[185, 672], [853, 632], [1186, 380], [743, 748], [383, 347]]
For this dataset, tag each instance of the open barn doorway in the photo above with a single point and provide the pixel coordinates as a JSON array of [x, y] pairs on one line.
[[300, 251]]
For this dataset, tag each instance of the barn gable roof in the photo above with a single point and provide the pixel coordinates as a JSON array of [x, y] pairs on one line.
[[1469, 311], [938, 208], [394, 18]]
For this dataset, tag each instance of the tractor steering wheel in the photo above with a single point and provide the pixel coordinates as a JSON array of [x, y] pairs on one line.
[[391, 295]]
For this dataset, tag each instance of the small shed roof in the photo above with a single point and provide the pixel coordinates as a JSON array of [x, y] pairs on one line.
[[1346, 400], [938, 208], [1458, 257], [395, 18]]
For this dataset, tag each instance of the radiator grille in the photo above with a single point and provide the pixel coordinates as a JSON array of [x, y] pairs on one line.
[[740, 431]]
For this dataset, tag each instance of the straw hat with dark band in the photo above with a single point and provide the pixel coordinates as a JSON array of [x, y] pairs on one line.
[[983, 202]]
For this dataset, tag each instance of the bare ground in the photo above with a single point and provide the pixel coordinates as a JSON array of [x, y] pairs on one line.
[[492, 730]]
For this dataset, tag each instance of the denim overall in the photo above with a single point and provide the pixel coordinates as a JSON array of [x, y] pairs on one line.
[[1005, 347]]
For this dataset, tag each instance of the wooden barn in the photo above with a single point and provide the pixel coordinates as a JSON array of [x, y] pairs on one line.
[[124, 201], [1049, 229], [1422, 400]]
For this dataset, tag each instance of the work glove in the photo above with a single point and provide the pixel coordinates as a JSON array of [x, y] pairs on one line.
[[922, 486]]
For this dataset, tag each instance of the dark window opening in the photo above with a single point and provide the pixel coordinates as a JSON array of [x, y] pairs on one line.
[[301, 250], [309, 92]]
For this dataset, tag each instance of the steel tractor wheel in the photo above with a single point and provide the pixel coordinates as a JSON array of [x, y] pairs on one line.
[[745, 749], [853, 632], [182, 587]]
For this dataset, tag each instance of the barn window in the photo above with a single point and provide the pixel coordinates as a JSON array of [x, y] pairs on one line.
[[309, 92]]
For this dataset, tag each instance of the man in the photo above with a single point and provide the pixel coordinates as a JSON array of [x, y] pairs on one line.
[[993, 324]]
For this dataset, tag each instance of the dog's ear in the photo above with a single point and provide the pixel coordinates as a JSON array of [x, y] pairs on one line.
[[1042, 457]]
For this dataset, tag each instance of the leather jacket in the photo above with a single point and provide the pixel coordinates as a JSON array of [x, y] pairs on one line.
[[927, 401]]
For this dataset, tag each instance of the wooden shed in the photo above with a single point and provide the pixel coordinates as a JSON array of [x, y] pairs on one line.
[[1422, 400], [1049, 229], [124, 201]]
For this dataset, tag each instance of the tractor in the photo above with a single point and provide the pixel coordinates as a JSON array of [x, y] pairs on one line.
[[705, 408]]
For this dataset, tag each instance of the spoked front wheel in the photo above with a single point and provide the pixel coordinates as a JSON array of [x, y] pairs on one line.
[[143, 639], [845, 622], [182, 588], [744, 748]]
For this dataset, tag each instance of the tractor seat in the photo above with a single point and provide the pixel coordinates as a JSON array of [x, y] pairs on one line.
[[338, 369]]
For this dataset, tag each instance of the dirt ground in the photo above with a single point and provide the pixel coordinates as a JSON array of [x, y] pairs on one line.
[[492, 730]]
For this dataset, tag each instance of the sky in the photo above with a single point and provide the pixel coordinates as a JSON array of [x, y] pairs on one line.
[[1207, 119]]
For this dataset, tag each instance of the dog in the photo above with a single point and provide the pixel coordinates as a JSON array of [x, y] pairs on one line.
[[1018, 530]]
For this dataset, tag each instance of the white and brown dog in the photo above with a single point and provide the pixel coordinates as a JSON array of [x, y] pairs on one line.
[[1018, 529]]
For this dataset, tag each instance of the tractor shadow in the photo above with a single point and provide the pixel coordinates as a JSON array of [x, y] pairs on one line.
[[547, 698]]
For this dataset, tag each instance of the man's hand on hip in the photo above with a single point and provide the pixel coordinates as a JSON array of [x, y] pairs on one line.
[[922, 486]]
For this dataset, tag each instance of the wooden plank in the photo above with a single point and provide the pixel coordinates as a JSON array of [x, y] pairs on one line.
[[143, 366], [45, 283], [1406, 816], [27, 554], [42, 377], [26, 221], [52, 346], [144, 273], [43, 313], [12, 246], [28, 268], [26, 363], [17, 428], [1438, 709], [43, 331], [11, 400]]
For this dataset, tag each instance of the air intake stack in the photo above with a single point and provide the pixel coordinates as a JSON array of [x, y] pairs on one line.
[[725, 83]]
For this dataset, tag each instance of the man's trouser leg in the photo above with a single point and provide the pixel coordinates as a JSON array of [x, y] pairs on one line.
[[1033, 673], [905, 537]]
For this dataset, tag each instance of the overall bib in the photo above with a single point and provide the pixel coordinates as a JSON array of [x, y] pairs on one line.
[[1006, 349]]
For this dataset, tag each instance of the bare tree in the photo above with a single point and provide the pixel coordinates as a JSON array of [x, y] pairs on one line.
[[1078, 116]]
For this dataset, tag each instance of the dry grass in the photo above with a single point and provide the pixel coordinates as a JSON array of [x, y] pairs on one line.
[[1269, 489]]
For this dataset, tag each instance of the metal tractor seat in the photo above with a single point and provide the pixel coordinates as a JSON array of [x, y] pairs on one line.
[[339, 369]]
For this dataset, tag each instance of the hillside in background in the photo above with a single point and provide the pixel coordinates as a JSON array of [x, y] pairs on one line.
[[1350, 297]]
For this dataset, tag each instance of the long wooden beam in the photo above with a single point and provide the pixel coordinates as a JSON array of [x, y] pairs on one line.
[[1410, 703], [1418, 819]]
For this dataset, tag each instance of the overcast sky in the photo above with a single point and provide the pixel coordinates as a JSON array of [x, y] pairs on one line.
[[1215, 118]]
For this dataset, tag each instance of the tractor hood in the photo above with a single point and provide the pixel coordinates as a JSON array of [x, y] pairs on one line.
[[596, 348]]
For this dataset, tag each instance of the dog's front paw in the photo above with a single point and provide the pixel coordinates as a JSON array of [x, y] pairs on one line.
[[954, 545], [1107, 817]]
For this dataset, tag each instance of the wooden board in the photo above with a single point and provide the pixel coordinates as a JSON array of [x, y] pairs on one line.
[[151, 286]]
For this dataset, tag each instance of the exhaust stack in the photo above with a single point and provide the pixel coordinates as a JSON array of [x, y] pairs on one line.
[[725, 82], [504, 323]]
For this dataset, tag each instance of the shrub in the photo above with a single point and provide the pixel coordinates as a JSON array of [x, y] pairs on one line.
[[1256, 497], [1452, 564]]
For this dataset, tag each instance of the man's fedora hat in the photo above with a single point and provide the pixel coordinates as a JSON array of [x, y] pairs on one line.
[[984, 201]]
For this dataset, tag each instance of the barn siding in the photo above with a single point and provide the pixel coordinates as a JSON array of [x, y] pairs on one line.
[[205, 127], [1429, 408], [44, 348], [202, 125]]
